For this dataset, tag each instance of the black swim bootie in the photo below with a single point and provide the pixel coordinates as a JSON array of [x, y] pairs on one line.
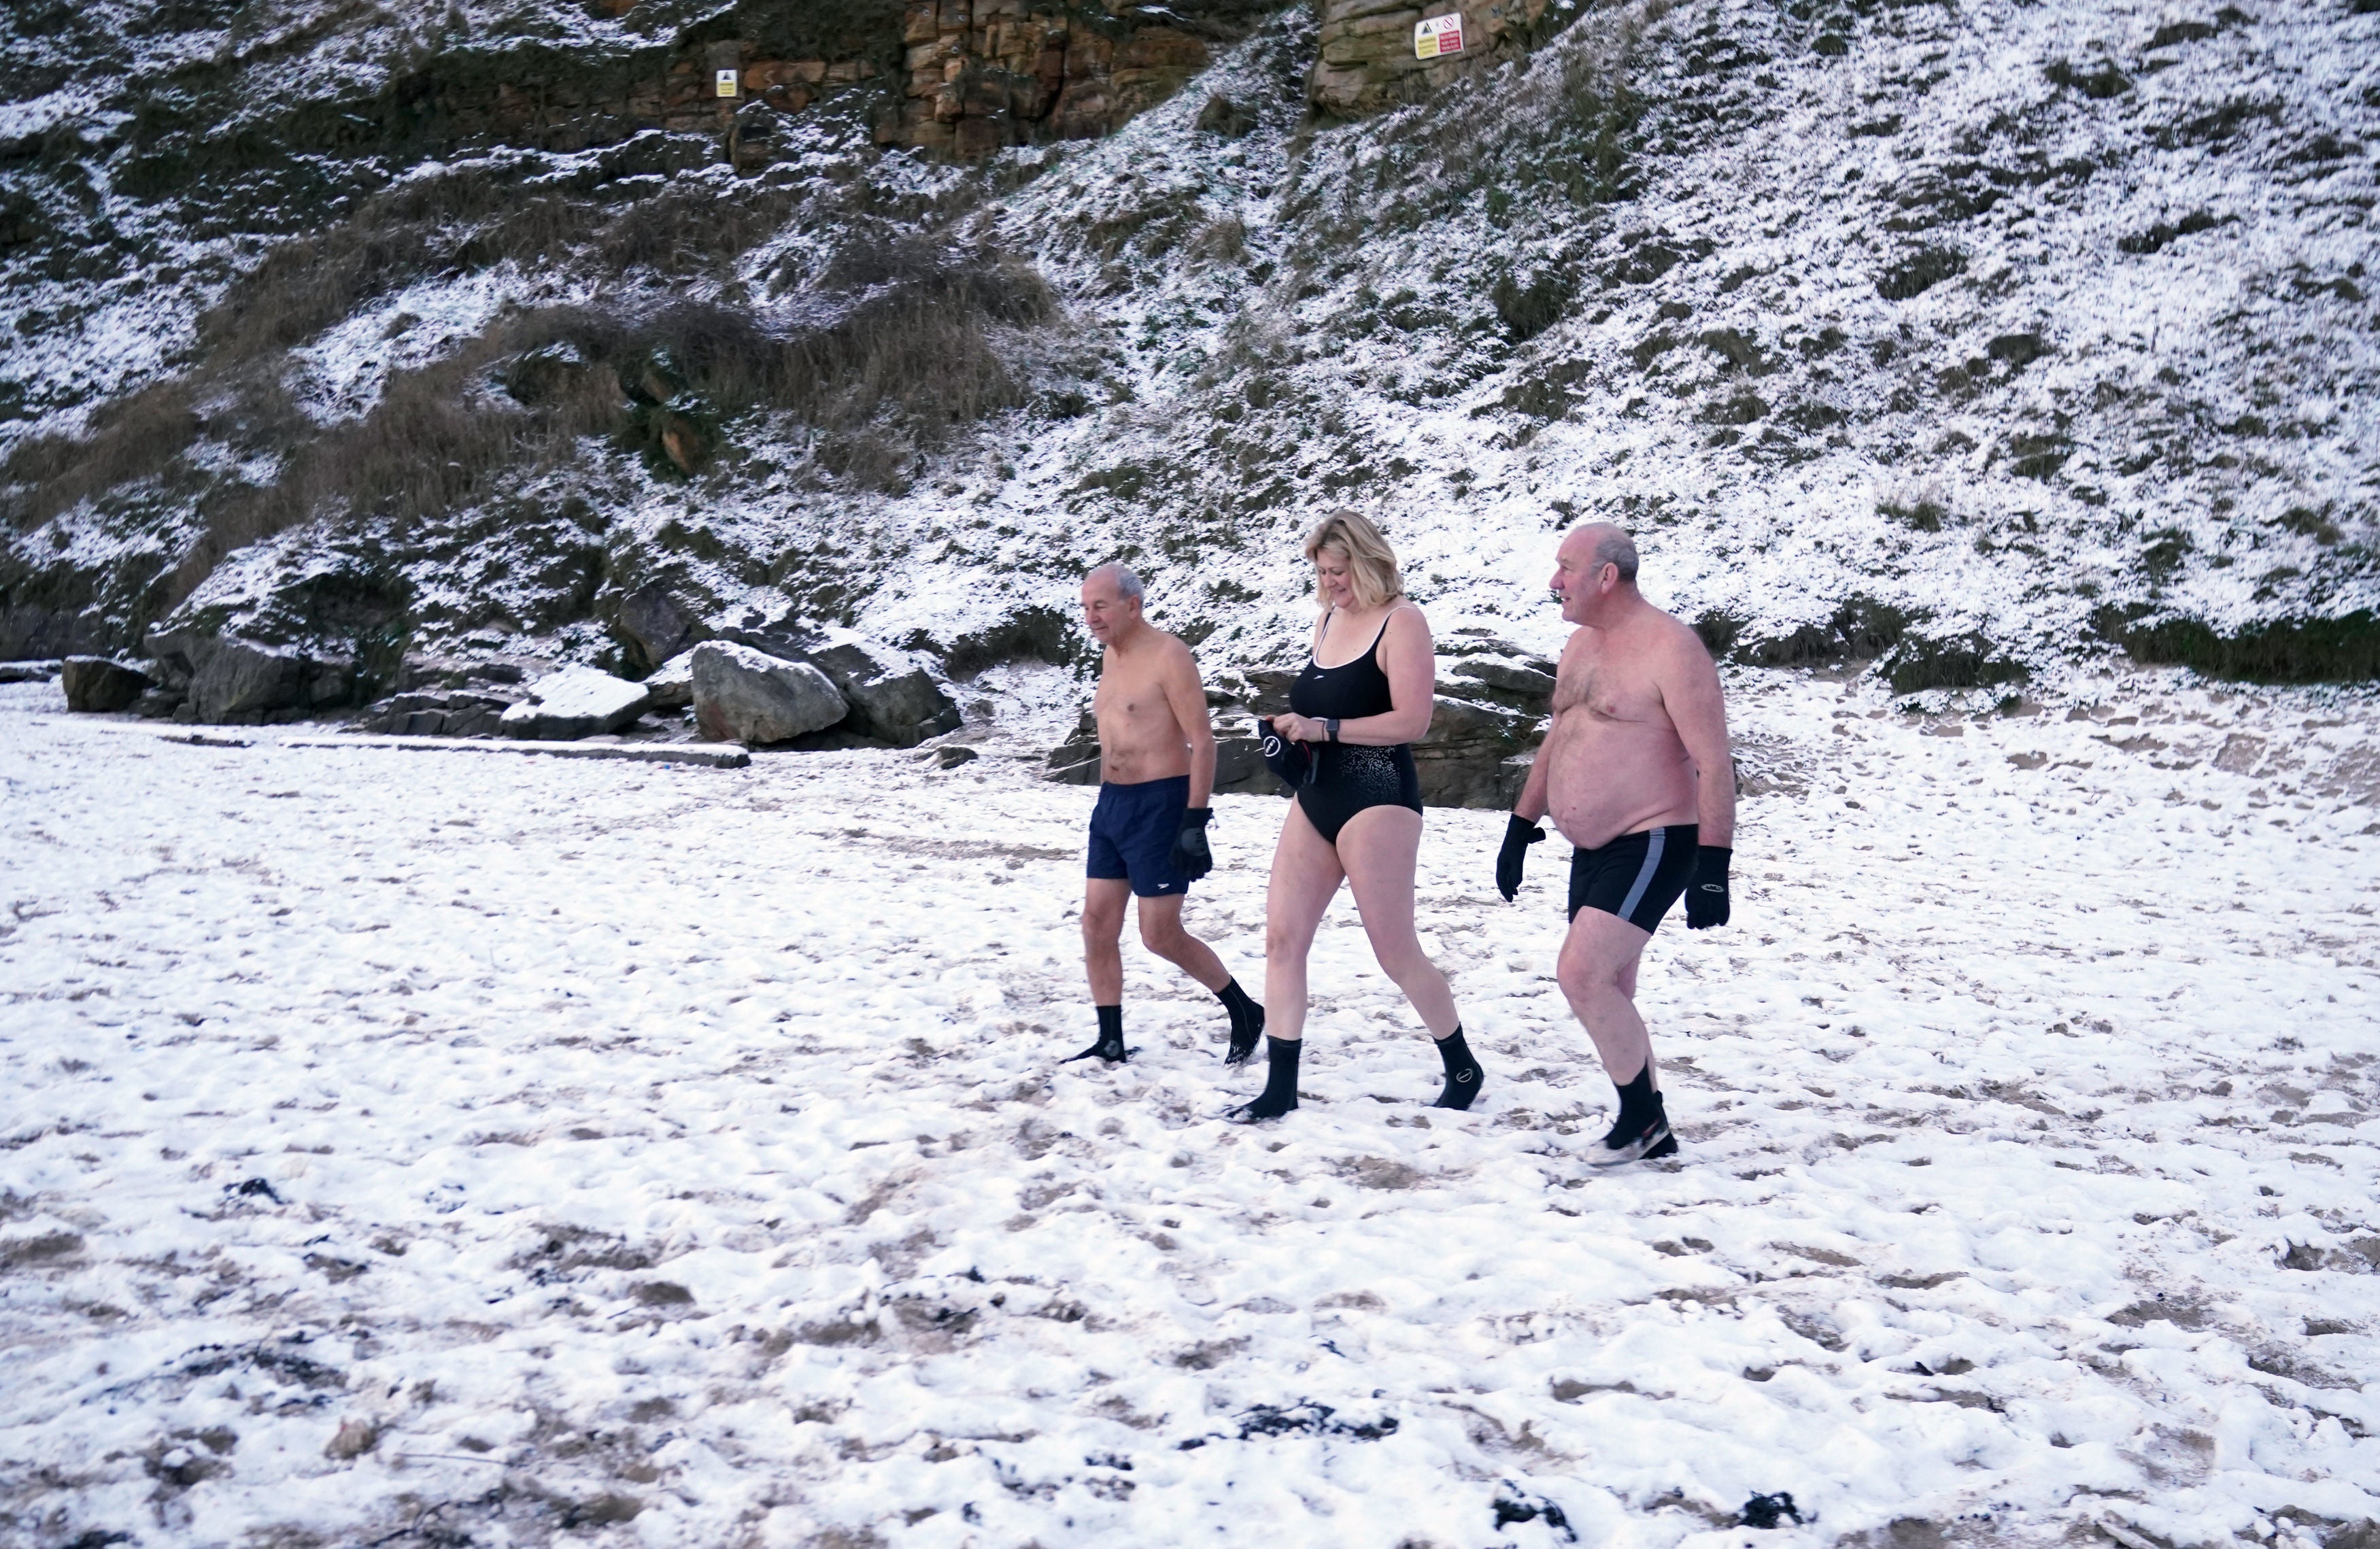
[[1644, 1137], [1247, 1024], [1279, 1094], [1462, 1072], [1110, 1045]]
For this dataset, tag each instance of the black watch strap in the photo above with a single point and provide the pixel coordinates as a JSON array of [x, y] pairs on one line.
[[1333, 724]]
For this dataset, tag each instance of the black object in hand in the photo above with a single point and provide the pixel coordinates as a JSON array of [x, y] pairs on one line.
[[1519, 834], [1192, 859], [1292, 763], [1707, 894]]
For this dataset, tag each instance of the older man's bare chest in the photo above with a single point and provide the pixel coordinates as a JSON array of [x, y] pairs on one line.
[[1131, 699], [1609, 683]]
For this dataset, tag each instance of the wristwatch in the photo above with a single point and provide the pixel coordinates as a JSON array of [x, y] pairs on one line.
[[1333, 725]]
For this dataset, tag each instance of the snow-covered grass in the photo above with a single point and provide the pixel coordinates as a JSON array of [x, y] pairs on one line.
[[415, 1149], [2104, 417], [1666, 271]]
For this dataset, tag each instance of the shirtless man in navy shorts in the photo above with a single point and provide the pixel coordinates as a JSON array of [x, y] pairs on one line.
[[1149, 832], [1636, 774]]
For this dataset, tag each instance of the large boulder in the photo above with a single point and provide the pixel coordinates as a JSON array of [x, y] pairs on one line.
[[227, 681], [98, 683], [894, 697], [237, 680], [892, 693], [1476, 753], [749, 695], [573, 703]]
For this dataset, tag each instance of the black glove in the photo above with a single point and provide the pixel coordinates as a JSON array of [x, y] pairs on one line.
[[1291, 763], [1707, 894], [1191, 856], [1519, 834]]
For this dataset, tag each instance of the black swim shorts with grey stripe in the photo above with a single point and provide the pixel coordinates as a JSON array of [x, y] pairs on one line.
[[1636, 877]]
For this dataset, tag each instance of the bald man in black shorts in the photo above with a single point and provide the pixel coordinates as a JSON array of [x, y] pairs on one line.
[[1149, 832], [1635, 772]]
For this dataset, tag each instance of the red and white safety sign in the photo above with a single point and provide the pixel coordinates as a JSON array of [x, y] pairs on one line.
[[1437, 36]]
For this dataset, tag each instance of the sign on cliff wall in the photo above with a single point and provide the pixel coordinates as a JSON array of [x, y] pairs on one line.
[[1437, 36], [728, 83]]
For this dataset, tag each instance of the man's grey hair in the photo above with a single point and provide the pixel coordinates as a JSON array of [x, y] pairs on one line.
[[1616, 547], [1127, 580]]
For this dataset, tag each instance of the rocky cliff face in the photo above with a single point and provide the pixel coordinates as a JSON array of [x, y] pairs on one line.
[[487, 333], [984, 74], [1366, 56]]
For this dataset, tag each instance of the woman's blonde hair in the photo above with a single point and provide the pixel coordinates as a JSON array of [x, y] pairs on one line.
[[1372, 572]]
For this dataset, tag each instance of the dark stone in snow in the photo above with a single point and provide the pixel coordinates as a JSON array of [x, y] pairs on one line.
[[652, 618], [232, 682], [749, 695], [1920, 274], [96, 684], [893, 696]]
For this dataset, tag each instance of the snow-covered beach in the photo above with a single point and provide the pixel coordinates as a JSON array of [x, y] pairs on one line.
[[418, 1147]]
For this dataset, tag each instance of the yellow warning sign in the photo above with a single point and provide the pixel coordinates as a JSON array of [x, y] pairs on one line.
[[1437, 36], [729, 83]]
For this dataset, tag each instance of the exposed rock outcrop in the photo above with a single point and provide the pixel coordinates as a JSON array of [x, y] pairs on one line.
[[449, 713], [749, 695], [98, 683], [892, 694], [1475, 755], [30, 630], [1366, 59], [225, 681], [984, 74], [1493, 699], [654, 625], [894, 697]]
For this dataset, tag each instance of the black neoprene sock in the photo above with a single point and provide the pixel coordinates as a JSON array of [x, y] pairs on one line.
[[1110, 1045], [1462, 1072], [1279, 1094], [1639, 1107], [1247, 1021]]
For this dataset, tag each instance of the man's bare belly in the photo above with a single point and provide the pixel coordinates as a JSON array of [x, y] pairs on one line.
[[1139, 739], [1608, 778], [1134, 766]]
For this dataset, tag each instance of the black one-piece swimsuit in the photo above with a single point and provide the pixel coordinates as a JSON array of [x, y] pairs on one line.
[[1348, 777]]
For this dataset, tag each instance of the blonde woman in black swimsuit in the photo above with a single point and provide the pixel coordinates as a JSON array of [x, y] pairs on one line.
[[1364, 698]]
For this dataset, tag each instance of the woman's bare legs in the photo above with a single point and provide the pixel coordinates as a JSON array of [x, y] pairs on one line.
[[1306, 876], [1379, 847]]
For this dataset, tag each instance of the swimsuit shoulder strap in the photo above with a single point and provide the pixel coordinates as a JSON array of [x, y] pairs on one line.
[[1384, 626]]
